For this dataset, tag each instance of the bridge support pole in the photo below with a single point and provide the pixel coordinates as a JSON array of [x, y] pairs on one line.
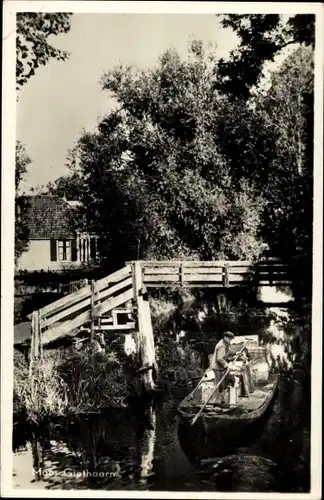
[[145, 330], [36, 350]]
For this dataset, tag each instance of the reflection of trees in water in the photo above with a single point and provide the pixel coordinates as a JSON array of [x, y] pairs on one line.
[[199, 323], [290, 421], [97, 453], [243, 473], [134, 444], [288, 340], [145, 437]]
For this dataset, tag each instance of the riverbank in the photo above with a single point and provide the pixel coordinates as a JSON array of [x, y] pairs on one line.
[[69, 382], [83, 378]]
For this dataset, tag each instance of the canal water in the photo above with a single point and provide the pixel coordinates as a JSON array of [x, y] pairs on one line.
[[149, 449]]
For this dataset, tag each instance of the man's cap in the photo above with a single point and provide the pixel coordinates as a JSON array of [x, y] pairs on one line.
[[229, 335]]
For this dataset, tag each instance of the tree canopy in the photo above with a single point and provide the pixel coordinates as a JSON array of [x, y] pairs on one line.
[[166, 189], [261, 37]]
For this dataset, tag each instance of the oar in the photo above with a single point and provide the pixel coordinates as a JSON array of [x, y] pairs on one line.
[[194, 420]]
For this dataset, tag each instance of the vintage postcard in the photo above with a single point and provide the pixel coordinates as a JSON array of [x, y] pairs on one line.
[[161, 255]]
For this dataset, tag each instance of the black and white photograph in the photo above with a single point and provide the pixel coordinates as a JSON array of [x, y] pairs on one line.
[[161, 247]]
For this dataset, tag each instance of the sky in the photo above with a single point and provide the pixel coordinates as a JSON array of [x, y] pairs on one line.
[[62, 98]]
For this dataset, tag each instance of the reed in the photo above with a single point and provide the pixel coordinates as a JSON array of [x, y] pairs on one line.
[[67, 382], [42, 395]]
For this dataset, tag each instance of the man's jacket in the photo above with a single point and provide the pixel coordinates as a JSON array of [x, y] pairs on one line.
[[219, 359]]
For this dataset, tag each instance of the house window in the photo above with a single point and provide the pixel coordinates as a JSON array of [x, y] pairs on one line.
[[64, 249]]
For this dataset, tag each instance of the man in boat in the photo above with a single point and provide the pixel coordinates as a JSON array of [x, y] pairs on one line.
[[219, 362]]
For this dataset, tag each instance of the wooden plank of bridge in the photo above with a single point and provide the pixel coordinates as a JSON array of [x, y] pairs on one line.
[[32, 344], [194, 263], [225, 276], [212, 273], [39, 331], [126, 327], [145, 330], [84, 303], [113, 302], [92, 305], [85, 292], [61, 329]]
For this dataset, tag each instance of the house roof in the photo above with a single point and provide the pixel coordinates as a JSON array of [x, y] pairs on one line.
[[50, 217]]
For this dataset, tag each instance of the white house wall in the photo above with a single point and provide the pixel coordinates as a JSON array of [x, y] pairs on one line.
[[38, 257]]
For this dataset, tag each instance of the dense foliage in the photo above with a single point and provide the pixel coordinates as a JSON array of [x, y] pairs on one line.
[[261, 38], [288, 111], [67, 382], [166, 189], [182, 177]]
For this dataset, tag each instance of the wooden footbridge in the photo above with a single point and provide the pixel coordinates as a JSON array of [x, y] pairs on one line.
[[101, 304]]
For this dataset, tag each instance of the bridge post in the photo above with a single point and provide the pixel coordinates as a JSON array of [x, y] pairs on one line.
[[36, 341], [145, 330]]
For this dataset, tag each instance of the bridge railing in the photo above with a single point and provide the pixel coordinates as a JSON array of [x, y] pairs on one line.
[[214, 273], [80, 307]]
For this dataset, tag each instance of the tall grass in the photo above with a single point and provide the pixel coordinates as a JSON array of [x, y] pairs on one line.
[[67, 381], [44, 394]]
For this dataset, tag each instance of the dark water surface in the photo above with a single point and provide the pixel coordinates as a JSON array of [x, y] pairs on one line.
[[153, 451]]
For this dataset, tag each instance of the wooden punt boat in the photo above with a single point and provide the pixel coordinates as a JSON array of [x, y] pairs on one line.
[[248, 408]]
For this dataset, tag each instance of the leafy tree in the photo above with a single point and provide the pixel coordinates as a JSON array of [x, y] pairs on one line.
[[285, 118], [271, 147], [180, 171], [261, 38], [21, 202], [165, 189], [32, 46], [67, 186], [288, 111]]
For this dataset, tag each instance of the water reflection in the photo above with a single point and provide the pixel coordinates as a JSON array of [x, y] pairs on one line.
[[148, 448]]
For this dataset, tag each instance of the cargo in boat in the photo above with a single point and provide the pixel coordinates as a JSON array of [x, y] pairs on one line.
[[249, 392]]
